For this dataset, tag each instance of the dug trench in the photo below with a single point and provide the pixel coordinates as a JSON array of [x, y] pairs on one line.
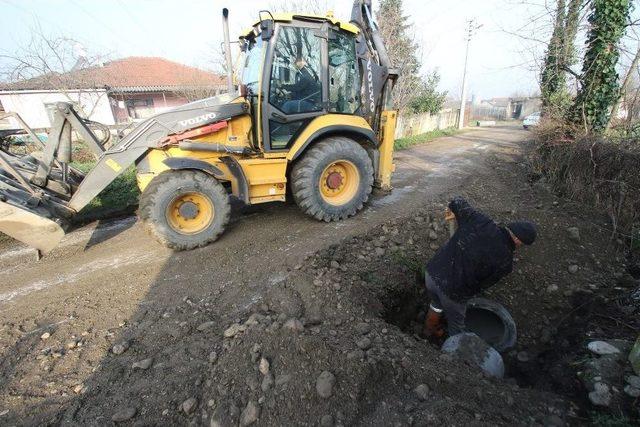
[[333, 342]]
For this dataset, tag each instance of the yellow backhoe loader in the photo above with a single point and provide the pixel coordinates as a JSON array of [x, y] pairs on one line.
[[311, 116]]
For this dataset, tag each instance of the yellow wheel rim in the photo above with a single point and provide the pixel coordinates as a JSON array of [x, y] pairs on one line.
[[190, 213], [339, 182]]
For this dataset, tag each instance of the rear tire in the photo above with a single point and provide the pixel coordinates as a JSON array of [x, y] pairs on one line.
[[333, 179], [185, 209]]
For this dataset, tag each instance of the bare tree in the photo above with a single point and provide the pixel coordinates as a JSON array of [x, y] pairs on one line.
[[626, 91], [198, 84], [316, 7], [55, 62]]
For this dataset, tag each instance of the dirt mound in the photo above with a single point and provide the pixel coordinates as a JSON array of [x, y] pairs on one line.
[[333, 341]]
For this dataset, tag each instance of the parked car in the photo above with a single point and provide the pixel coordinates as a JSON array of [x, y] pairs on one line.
[[531, 120]]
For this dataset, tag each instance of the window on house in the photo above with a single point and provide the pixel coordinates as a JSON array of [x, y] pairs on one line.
[[140, 108]]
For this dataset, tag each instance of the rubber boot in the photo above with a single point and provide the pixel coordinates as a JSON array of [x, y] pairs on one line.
[[433, 327]]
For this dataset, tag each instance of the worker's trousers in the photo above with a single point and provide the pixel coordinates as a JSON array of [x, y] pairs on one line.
[[454, 311]]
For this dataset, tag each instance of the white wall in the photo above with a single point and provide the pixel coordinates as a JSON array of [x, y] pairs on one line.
[[31, 105], [416, 124]]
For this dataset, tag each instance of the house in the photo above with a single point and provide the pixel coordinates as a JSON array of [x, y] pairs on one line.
[[120, 91], [513, 108]]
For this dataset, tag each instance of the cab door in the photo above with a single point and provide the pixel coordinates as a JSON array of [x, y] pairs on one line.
[[296, 76]]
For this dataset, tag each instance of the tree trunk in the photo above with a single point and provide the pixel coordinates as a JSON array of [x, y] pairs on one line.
[[624, 88]]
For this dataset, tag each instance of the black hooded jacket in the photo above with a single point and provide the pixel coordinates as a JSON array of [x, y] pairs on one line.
[[476, 257]]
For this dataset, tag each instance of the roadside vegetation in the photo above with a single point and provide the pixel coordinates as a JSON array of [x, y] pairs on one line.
[[588, 140], [588, 151], [409, 141], [120, 197]]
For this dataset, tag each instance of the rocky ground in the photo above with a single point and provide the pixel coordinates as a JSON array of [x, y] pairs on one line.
[[332, 339]]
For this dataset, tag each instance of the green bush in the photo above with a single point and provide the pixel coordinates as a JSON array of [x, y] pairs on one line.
[[121, 194]]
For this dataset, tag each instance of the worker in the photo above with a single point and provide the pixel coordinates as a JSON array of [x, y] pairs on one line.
[[305, 92], [476, 257]]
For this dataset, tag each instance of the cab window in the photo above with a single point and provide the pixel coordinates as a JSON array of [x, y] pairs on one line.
[[343, 76], [295, 85]]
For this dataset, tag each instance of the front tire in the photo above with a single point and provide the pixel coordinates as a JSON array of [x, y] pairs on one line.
[[333, 180], [185, 209]]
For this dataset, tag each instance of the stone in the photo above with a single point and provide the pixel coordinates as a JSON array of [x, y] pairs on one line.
[[472, 349], [45, 336], [252, 382], [78, 389], [364, 343], [143, 364], [206, 326], [213, 357], [633, 381], [335, 264], [522, 356], [632, 391], [634, 357], [250, 413], [254, 319], [264, 366], [124, 415], [355, 355], [293, 325], [379, 252], [267, 382], [574, 234], [433, 235], [422, 391], [326, 421], [71, 344], [552, 288], [285, 300], [600, 396], [573, 269], [189, 405], [363, 328], [324, 384], [120, 348], [553, 420], [602, 348], [234, 330]]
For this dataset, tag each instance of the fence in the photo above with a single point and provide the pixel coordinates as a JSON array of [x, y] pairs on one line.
[[481, 112], [422, 123]]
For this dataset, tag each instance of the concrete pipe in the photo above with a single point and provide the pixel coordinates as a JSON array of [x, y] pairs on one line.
[[491, 322]]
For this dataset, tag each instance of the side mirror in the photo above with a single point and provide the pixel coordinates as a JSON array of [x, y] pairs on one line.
[[266, 29]]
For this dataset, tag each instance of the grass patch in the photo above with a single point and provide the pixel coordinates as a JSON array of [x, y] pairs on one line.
[[408, 141], [119, 196]]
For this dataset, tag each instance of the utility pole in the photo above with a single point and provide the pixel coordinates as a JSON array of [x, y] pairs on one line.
[[471, 28]]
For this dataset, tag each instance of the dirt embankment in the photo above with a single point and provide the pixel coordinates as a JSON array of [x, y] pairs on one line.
[[333, 341]]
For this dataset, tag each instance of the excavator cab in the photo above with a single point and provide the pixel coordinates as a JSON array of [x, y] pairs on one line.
[[311, 117]]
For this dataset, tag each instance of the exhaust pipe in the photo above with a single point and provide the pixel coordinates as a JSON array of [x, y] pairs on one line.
[[227, 49]]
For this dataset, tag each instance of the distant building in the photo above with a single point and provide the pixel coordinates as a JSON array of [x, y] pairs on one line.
[[512, 108], [119, 91]]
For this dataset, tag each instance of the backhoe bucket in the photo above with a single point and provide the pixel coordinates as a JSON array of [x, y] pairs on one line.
[[30, 228]]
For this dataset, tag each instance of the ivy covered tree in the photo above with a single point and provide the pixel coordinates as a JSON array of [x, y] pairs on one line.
[[599, 80], [559, 58], [552, 81], [428, 99]]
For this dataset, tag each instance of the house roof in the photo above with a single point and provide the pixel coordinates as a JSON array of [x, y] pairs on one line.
[[136, 72]]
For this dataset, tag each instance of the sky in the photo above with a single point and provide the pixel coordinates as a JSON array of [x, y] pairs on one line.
[[500, 63]]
